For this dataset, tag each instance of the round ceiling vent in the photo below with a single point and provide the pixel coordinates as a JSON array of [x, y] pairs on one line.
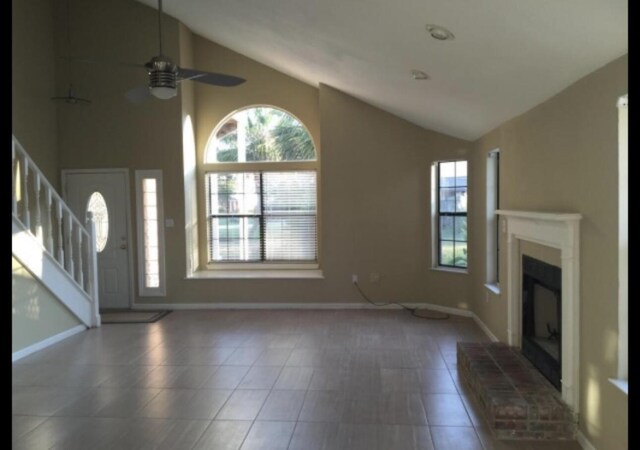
[[440, 33]]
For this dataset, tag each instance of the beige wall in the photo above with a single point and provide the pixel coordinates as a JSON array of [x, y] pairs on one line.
[[111, 132], [189, 156], [36, 312], [351, 138], [374, 169], [33, 112], [562, 156], [376, 194]]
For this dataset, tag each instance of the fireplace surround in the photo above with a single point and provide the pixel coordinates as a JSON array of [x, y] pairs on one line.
[[556, 230]]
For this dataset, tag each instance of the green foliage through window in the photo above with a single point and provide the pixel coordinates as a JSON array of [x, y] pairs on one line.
[[451, 200], [261, 134]]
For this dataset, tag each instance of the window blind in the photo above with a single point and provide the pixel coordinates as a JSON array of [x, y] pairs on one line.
[[262, 216]]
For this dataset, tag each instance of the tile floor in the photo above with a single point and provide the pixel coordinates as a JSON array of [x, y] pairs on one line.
[[256, 380]]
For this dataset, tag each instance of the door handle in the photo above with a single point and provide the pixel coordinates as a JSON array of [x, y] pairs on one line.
[[123, 246]]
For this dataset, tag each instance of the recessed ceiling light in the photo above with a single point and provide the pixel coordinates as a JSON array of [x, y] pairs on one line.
[[440, 33], [419, 75]]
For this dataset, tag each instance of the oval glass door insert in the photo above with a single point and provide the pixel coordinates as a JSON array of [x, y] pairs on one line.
[[98, 207]]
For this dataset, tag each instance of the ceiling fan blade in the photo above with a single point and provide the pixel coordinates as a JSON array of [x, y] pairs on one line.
[[215, 79], [138, 94]]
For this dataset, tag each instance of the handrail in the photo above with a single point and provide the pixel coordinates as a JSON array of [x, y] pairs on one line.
[[70, 243]]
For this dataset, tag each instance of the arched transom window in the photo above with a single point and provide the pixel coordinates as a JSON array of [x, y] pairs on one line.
[[260, 181]]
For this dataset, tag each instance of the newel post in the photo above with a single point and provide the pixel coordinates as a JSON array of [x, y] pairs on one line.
[[92, 261]]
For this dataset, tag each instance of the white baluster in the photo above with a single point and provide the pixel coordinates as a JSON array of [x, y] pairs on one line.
[[68, 234], [80, 268], [49, 223], [14, 204], [92, 265], [36, 188], [60, 222], [25, 193]]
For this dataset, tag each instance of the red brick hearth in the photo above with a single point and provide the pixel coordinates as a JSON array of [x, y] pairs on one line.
[[518, 401]]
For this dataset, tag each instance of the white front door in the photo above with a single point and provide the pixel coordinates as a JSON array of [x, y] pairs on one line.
[[105, 194]]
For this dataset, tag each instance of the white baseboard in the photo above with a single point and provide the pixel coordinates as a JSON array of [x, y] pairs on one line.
[[238, 305], [443, 309], [583, 441], [485, 328], [47, 342]]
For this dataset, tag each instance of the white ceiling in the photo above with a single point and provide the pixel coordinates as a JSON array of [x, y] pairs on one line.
[[507, 56]]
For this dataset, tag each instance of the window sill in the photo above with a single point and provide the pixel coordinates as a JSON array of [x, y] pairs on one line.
[[493, 287], [282, 274], [450, 270], [621, 384]]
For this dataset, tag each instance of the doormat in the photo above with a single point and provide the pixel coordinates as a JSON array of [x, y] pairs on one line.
[[129, 316]]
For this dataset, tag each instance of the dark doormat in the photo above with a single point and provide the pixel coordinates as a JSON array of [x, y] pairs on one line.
[[130, 316]]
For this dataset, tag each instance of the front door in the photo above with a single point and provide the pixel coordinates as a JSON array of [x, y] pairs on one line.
[[104, 193]]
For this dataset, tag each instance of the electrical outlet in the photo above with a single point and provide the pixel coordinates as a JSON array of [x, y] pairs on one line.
[[354, 278], [374, 277]]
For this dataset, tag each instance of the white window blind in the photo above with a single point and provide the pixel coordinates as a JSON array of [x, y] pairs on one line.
[[290, 216], [262, 216]]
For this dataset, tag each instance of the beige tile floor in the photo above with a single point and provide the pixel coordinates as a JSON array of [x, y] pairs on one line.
[[255, 380]]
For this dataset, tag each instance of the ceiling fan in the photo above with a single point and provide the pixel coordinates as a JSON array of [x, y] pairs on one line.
[[164, 75]]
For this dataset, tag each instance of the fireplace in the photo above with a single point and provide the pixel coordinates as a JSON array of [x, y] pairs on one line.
[[555, 230], [542, 317]]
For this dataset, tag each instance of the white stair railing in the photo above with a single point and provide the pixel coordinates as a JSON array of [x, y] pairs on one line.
[[43, 213]]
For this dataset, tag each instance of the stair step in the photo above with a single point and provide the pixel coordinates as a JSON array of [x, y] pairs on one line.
[[518, 401]]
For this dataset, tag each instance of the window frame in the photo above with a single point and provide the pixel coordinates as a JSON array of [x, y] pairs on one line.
[[436, 214], [492, 281], [622, 377], [256, 166], [261, 216], [145, 291]]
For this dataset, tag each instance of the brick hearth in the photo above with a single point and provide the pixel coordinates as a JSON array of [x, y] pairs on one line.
[[518, 401]]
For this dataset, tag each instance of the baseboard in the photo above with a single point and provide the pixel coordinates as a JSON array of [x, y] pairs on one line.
[[583, 441], [228, 305], [46, 342], [443, 309], [485, 328]]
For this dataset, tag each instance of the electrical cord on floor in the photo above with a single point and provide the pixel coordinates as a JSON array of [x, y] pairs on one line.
[[413, 311]]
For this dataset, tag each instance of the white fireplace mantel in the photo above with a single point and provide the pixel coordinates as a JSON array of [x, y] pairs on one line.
[[561, 231]]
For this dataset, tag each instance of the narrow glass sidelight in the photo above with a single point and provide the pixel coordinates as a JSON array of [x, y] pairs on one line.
[[150, 218], [150, 225], [98, 207]]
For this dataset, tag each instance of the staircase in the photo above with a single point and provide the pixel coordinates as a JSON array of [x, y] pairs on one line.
[[51, 242]]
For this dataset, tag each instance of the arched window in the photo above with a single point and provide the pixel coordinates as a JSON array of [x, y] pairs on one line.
[[260, 182]]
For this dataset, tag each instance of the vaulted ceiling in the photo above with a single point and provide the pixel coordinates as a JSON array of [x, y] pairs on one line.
[[507, 55]]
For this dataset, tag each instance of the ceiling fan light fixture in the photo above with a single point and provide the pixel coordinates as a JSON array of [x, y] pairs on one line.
[[163, 92], [164, 75]]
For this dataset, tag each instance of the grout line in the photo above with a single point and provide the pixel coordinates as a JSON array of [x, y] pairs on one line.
[[300, 412]]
